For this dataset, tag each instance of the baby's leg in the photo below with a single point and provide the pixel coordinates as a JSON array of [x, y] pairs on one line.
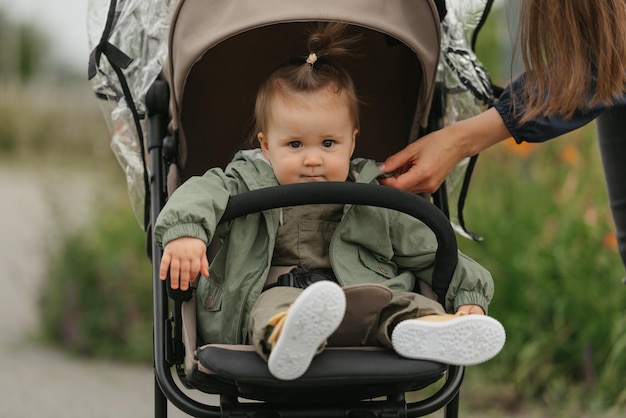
[[403, 306], [420, 329], [462, 340], [266, 313], [294, 334]]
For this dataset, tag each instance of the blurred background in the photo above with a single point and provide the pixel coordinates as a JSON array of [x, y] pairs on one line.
[[76, 301]]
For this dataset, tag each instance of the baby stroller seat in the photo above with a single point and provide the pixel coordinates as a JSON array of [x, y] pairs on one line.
[[198, 115], [341, 381]]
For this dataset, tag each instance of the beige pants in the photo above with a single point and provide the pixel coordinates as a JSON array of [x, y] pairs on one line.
[[372, 312]]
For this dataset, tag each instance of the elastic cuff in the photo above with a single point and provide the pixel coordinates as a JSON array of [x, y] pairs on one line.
[[505, 112], [470, 298], [184, 230]]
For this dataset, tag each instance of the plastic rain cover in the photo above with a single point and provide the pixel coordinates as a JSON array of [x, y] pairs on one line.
[[139, 29], [467, 84]]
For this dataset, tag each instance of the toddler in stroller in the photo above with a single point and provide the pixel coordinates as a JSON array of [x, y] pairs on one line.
[[258, 290]]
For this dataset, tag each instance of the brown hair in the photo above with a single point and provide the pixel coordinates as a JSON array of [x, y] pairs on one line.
[[317, 70], [564, 42]]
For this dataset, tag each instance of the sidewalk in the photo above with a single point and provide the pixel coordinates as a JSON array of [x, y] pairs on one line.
[[41, 381]]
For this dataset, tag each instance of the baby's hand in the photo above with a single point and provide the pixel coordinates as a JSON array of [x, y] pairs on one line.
[[471, 309], [184, 258]]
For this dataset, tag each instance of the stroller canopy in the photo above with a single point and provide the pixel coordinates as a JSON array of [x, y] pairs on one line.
[[221, 50]]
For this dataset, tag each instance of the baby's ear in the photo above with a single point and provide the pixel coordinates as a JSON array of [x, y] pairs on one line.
[[263, 142], [354, 135]]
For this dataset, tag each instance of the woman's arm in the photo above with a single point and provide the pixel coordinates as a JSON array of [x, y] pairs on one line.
[[511, 107], [424, 164]]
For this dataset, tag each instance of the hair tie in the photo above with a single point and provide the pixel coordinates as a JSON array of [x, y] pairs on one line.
[[311, 59]]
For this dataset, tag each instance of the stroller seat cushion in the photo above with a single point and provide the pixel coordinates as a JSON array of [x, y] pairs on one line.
[[335, 366]]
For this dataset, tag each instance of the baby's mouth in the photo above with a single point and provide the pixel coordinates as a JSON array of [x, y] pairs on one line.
[[312, 178]]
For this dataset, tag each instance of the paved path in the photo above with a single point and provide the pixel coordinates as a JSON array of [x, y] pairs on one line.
[[37, 381]]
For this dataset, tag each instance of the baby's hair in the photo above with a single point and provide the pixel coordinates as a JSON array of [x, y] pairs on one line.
[[317, 70]]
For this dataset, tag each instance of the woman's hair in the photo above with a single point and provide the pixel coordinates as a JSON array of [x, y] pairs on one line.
[[312, 72], [564, 43]]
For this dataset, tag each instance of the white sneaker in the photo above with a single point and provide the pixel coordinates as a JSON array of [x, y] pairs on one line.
[[462, 341], [312, 318]]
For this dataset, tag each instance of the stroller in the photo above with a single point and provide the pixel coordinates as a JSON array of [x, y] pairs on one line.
[[195, 113]]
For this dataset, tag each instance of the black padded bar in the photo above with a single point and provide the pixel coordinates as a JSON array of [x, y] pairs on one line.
[[359, 194]]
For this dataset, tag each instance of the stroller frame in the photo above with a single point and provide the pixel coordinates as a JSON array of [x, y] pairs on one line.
[[168, 349], [163, 148]]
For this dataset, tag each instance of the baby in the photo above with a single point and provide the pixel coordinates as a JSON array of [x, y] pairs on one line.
[[307, 122]]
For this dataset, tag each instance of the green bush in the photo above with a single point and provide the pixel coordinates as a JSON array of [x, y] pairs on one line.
[[550, 246], [98, 296]]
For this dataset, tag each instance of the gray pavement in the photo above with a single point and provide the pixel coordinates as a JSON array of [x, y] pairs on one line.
[[36, 380]]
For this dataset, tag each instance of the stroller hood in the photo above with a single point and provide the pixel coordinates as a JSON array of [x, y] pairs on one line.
[[221, 50]]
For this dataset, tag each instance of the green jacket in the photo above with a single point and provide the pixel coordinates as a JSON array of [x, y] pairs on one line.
[[370, 245]]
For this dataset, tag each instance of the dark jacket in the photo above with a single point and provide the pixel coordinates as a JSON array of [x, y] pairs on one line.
[[541, 129]]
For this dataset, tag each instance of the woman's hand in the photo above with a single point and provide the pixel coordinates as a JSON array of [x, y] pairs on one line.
[[424, 164]]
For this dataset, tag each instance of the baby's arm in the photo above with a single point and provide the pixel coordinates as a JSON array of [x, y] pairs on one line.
[[184, 257], [471, 309]]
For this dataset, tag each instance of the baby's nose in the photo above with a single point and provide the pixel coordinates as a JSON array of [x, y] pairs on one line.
[[312, 158]]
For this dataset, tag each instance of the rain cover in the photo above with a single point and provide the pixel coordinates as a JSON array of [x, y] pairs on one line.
[[467, 83], [139, 29]]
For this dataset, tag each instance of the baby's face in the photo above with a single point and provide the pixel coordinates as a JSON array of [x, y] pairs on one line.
[[309, 137]]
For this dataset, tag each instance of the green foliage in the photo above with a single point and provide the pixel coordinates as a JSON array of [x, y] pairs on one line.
[[97, 299], [550, 246]]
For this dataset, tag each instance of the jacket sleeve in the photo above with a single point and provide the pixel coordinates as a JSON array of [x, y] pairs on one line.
[[511, 106], [415, 246], [195, 208], [471, 284]]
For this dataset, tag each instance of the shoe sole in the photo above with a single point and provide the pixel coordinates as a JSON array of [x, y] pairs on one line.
[[462, 341], [312, 318]]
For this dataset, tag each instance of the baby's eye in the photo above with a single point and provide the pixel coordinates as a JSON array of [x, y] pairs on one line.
[[295, 144], [327, 143]]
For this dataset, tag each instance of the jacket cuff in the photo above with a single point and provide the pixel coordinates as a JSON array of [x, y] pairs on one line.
[[470, 298], [184, 230]]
